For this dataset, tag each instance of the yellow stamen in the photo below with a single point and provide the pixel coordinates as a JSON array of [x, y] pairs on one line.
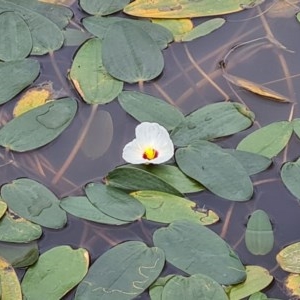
[[150, 153]]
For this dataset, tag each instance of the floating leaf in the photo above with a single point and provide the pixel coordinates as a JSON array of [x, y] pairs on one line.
[[114, 202], [182, 8], [292, 284], [258, 296], [146, 108], [259, 237], [102, 7], [33, 201], [289, 258], [194, 249], [75, 37], [9, 283], [129, 53], [18, 230], [56, 272], [98, 26], [167, 208], [132, 178], [15, 37], [296, 126], [16, 76], [81, 207], [34, 97], [178, 27], [217, 170], [123, 272], [20, 255], [156, 289], [269, 140], [203, 29], [3, 208], [90, 77], [257, 279], [290, 175], [255, 88], [102, 128], [174, 176], [212, 121], [38, 126]]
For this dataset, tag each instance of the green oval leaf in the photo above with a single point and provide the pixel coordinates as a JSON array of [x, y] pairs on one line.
[[102, 7], [38, 204], [15, 37], [114, 202], [16, 76], [289, 258], [134, 178], [18, 230], [90, 77], [290, 175], [212, 121], [129, 53], [123, 272], [56, 272], [259, 237], [81, 207], [167, 208], [194, 249], [217, 170], [39, 126], [269, 140], [146, 108]]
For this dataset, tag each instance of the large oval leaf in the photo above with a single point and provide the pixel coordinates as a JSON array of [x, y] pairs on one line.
[[38, 126], [16, 76], [56, 272], [167, 208], [194, 249], [268, 140], [212, 121], [146, 108], [15, 37], [289, 258], [123, 272], [217, 170], [114, 202], [102, 7], [259, 237], [89, 76], [33, 201], [290, 175], [129, 53]]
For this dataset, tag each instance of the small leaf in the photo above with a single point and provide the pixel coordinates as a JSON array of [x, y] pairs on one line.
[[81, 207], [167, 208], [212, 121], [129, 53], [103, 7], [259, 237], [290, 175], [257, 279], [289, 258], [217, 170], [269, 140], [15, 37], [193, 248], [203, 29], [114, 202], [16, 76], [90, 77], [38, 204], [156, 289], [123, 272], [56, 272], [292, 284], [39, 126]]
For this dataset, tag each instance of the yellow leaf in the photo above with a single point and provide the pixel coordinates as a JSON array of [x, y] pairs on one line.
[[292, 284]]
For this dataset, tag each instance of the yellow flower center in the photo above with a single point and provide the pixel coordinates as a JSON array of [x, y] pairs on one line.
[[150, 153]]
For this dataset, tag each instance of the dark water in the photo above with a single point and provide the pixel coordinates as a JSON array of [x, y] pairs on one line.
[[191, 79]]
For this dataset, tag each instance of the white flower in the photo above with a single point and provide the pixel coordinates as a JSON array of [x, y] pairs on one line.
[[151, 145]]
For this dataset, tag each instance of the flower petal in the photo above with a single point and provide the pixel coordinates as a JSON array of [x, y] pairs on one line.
[[133, 153]]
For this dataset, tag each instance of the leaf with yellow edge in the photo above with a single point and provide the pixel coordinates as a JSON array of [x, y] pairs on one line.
[[178, 27], [33, 98], [176, 9], [292, 283], [289, 258], [257, 279], [9, 283], [3, 208], [255, 88]]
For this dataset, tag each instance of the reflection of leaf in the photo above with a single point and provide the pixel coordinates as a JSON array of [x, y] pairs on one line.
[[255, 88], [283, 9], [123, 272]]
